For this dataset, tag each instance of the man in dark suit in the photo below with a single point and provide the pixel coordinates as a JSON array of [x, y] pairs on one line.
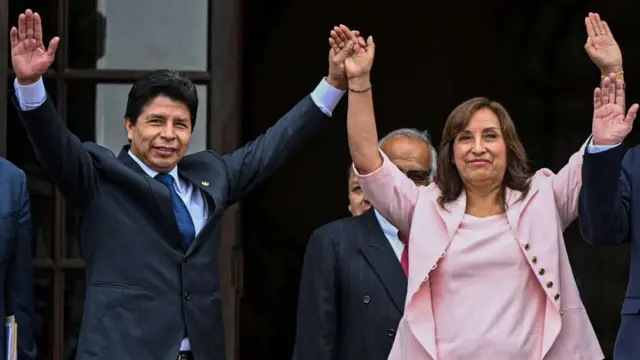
[[149, 217], [16, 278], [352, 289], [608, 203]]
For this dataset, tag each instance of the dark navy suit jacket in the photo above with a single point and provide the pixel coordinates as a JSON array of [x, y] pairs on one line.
[[608, 216], [143, 287], [352, 293], [15, 259]]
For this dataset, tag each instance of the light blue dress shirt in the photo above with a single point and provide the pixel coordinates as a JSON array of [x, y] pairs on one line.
[[593, 149], [391, 233]]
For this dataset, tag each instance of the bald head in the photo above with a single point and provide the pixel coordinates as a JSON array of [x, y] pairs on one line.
[[413, 155], [411, 151]]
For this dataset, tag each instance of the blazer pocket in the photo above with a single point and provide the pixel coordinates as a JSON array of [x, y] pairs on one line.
[[630, 306]]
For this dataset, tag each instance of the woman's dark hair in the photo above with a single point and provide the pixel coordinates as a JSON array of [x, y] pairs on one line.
[[517, 175]]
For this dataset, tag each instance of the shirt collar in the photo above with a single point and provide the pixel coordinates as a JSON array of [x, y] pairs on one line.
[[149, 171], [389, 230]]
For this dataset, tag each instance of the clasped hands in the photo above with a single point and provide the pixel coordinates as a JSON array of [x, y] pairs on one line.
[[350, 59]]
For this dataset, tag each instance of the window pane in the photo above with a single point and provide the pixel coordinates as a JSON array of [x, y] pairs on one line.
[[73, 302], [41, 189], [43, 329], [108, 34], [48, 12], [107, 103]]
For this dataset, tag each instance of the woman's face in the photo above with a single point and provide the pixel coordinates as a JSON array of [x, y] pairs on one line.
[[479, 150]]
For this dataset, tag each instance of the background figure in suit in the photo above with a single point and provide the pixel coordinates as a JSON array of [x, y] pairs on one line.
[[607, 208], [149, 217], [16, 275], [352, 289], [358, 203]]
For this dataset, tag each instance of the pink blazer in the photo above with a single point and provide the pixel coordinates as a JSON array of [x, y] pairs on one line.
[[538, 222]]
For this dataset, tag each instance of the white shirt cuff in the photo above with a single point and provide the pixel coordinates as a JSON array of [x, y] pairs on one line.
[[593, 149], [326, 97], [30, 97]]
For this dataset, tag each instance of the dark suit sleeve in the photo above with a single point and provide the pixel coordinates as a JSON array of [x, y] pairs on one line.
[[60, 152], [250, 165], [20, 280], [316, 333], [604, 204]]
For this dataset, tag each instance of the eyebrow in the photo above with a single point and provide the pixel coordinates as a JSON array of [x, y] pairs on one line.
[[162, 117], [492, 128]]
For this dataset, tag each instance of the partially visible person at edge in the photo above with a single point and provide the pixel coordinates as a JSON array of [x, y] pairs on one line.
[[353, 282], [609, 199], [485, 242], [16, 272], [148, 216]]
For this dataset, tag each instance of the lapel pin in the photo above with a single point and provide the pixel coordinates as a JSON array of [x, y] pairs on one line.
[[205, 183]]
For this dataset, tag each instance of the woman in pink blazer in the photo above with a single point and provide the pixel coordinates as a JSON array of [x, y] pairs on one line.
[[489, 276]]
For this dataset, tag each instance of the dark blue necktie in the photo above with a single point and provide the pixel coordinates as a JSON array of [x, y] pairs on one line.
[[185, 223]]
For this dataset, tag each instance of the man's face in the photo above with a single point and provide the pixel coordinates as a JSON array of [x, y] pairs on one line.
[[411, 156], [358, 203], [161, 134]]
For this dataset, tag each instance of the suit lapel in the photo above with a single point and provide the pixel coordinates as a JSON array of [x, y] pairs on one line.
[[190, 171], [384, 261], [128, 160], [160, 193]]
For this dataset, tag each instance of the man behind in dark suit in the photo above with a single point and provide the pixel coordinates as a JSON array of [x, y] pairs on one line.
[[608, 203], [148, 217], [16, 278], [353, 287], [358, 202]]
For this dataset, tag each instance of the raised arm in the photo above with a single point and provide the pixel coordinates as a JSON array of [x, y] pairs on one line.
[[605, 196], [250, 165], [60, 152], [566, 188], [387, 188]]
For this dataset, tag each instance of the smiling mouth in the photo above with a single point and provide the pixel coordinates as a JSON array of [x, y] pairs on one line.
[[164, 151], [479, 162]]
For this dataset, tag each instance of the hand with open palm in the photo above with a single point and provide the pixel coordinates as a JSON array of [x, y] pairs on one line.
[[610, 125], [29, 57], [601, 47]]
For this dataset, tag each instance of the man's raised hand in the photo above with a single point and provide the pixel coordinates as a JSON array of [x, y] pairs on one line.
[[29, 57], [610, 125], [337, 55]]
